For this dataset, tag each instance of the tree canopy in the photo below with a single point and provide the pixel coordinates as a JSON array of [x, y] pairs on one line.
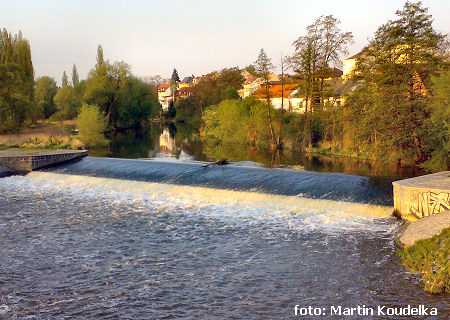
[[389, 108]]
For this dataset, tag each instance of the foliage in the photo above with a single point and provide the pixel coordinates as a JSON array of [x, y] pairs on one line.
[[64, 80], [68, 101], [92, 125], [430, 257], [389, 108], [209, 91], [14, 98], [75, 77], [16, 81], [241, 122], [172, 112], [99, 56], [229, 93], [45, 91], [439, 124], [263, 67], [175, 77], [314, 52], [127, 101]]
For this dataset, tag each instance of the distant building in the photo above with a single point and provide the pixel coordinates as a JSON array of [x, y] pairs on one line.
[[165, 96], [253, 83], [349, 65]]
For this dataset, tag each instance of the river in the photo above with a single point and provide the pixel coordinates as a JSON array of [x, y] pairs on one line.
[[106, 238]]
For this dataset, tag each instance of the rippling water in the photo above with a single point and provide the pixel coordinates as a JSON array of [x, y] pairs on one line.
[[75, 244]]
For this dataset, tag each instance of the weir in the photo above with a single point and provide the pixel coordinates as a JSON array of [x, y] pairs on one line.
[[285, 182], [21, 161]]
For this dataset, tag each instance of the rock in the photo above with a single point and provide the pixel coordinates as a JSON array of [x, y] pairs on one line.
[[422, 229]]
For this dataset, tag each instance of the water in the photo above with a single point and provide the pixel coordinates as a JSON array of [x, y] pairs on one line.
[[135, 239], [182, 143]]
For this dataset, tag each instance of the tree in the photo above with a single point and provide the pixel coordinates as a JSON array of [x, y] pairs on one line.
[[75, 77], [390, 107], [65, 80], [14, 99], [92, 125], [126, 101], [175, 77], [67, 102], [17, 83], [322, 45], [99, 56], [263, 68], [439, 124], [45, 91]]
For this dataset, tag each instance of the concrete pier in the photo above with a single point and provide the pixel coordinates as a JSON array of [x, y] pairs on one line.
[[422, 196], [22, 161]]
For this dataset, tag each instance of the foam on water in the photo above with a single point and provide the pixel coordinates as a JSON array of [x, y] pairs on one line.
[[295, 212]]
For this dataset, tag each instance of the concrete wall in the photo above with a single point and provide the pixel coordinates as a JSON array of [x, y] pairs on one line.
[[29, 162], [423, 196]]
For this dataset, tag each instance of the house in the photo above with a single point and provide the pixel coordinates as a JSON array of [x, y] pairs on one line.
[[282, 97], [183, 92], [349, 65], [253, 83], [165, 96], [186, 82]]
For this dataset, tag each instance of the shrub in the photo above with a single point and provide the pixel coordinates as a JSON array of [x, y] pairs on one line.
[[92, 125]]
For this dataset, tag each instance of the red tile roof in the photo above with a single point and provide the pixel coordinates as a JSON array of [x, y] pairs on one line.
[[275, 91], [163, 86]]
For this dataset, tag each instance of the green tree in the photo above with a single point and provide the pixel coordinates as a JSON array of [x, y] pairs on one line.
[[439, 123], [64, 80], [67, 102], [75, 77], [314, 53], [99, 56], [263, 68], [175, 77], [14, 99], [45, 91], [209, 91], [17, 83], [390, 107], [127, 101], [92, 125]]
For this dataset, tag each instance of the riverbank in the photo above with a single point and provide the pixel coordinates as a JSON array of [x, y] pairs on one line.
[[44, 135], [430, 256]]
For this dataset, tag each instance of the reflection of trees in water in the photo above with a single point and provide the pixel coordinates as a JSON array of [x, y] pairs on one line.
[[128, 144], [185, 140]]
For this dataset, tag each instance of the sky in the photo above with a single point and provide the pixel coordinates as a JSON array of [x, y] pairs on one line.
[[193, 36]]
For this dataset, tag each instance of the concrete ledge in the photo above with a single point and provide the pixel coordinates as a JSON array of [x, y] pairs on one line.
[[423, 196], [28, 160], [422, 229]]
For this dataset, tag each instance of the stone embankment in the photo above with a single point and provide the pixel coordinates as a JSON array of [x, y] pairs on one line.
[[22, 161], [424, 228], [425, 203]]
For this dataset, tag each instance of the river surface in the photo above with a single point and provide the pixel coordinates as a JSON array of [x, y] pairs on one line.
[[179, 142], [110, 238]]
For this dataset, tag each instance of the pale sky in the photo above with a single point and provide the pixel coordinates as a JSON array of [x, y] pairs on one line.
[[194, 36]]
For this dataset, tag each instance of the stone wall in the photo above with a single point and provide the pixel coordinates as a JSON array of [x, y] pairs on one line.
[[29, 161], [423, 196]]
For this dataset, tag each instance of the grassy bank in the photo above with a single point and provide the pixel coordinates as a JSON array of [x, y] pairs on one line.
[[44, 135], [430, 257]]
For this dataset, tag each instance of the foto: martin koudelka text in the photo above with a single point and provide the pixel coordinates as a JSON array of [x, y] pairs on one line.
[[419, 310]]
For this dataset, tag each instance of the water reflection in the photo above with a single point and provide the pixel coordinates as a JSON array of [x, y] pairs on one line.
[[182, 143]]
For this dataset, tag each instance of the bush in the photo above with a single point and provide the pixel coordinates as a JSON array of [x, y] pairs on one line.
[[92, 125], [430, 257]]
